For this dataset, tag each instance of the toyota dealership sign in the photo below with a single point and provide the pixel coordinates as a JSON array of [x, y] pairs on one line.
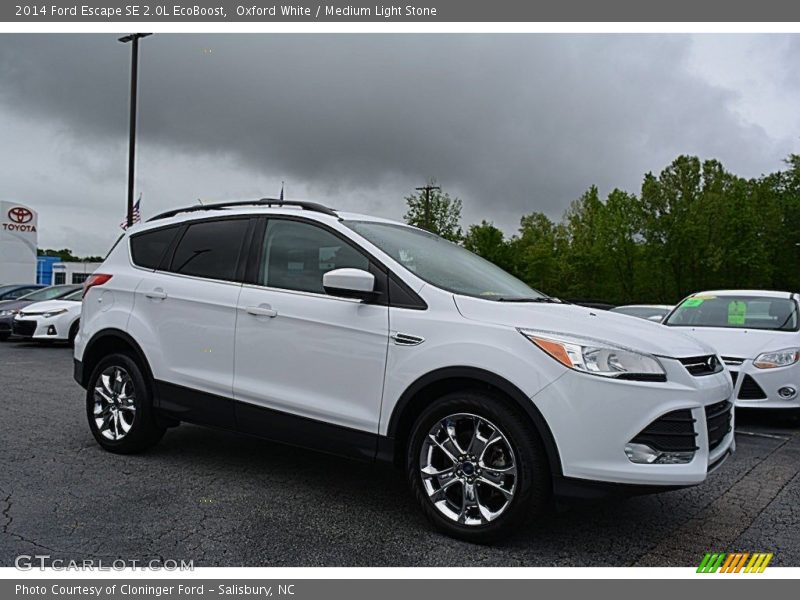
[[18, 243]]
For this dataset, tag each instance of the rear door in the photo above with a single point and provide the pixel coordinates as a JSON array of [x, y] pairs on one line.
[[309, 366], [185, 311]]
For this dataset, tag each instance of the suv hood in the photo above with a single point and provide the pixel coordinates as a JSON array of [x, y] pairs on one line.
[[743, 343], [630, 332]]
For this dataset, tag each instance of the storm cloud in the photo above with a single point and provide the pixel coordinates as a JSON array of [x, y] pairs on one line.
[[509, 123]]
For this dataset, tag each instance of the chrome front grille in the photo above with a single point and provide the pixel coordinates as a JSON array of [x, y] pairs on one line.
[[702, 365]]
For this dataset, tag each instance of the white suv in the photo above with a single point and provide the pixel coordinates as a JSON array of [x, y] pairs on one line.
[[370, 339]]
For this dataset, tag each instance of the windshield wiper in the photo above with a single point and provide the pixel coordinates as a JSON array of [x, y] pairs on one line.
[[524, 299]]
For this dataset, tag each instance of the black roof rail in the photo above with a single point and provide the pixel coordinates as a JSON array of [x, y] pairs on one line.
[[312, 206]]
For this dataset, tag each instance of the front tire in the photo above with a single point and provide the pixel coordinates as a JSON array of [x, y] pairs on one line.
[[119, 406], [477, 468]]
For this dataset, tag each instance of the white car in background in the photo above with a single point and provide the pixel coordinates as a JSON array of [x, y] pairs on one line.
[[757, 334], [52, 320], [651, 312]]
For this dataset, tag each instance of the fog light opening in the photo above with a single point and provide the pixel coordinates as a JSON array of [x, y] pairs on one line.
[[787, 392], [642, 454], [51, 330]]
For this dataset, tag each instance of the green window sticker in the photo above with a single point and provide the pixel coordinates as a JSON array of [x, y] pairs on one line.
[[737, 312], [692, 302]]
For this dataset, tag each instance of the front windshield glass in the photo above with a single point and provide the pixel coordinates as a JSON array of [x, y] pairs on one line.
[[76, 296], [48, 293], [736, 312], [444, 264]]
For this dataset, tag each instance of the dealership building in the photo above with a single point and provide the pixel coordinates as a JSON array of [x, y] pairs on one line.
[[19, 244]]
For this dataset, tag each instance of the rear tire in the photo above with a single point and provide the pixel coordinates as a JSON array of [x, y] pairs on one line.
[[487, 478], [119, 406]]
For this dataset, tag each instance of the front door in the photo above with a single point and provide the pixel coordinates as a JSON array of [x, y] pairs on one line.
[[308, 364]]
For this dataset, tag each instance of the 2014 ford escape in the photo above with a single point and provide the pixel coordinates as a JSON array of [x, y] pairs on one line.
[[375, 340]]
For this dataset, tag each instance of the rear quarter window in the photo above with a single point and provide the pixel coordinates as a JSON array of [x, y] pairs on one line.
[[210, 249], [148, 248]]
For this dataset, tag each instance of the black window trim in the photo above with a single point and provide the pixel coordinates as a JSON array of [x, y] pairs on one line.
[[382, 273]]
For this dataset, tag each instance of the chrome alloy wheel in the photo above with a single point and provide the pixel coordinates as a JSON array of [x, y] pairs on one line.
[[468, 469], [114, 403]]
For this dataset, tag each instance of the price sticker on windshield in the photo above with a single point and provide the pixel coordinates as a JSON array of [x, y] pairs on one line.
[[693, 302], [737, 312]]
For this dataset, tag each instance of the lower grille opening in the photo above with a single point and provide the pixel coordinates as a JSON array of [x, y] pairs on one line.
[[24, 328], [673, 432], [718, 422], [750, 390]]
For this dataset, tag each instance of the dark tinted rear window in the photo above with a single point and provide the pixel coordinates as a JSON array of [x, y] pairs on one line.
[[210, 249], [147, 248]]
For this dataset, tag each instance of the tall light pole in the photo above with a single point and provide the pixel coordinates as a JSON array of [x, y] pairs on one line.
[[134, 37]]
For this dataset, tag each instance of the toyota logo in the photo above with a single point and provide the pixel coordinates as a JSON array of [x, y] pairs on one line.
[[712, 363], [20, 215]]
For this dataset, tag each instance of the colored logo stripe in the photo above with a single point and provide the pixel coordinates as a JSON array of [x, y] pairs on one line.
[[734, 562]]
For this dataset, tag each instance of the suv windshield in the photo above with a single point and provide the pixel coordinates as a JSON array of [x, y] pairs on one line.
[[736, 312], [444, 264]]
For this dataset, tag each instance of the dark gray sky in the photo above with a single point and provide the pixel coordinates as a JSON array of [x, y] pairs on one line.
[[510, 123]]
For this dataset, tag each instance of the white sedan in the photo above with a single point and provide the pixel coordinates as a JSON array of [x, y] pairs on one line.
[[757, 334], [52, 320]]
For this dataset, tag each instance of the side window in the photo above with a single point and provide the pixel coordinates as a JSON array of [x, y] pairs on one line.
[[210, 249], [147, 248], [296, 255]]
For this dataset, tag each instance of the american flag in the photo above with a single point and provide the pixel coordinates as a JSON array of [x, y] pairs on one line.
[[137, 215]]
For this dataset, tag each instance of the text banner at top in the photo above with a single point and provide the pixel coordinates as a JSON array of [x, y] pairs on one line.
[[121, 11]]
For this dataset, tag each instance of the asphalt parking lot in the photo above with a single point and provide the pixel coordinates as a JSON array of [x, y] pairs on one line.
[[226, 500]]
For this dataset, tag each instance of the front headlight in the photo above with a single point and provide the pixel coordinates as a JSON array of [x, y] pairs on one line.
[[779, 358], [8, 313], [54, 313], [596, 357]]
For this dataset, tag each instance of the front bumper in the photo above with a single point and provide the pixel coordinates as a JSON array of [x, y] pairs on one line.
[[593, 418], [758, 388], [39, 328]]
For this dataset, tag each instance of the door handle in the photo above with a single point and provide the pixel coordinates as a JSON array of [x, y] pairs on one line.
[[156, 294], [265, 310]]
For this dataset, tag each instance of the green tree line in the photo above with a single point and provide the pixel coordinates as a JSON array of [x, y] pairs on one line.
[[694, 226], [65, 255]]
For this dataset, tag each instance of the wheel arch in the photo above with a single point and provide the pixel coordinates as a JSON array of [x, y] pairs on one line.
[[109, 341], [436, 383]]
